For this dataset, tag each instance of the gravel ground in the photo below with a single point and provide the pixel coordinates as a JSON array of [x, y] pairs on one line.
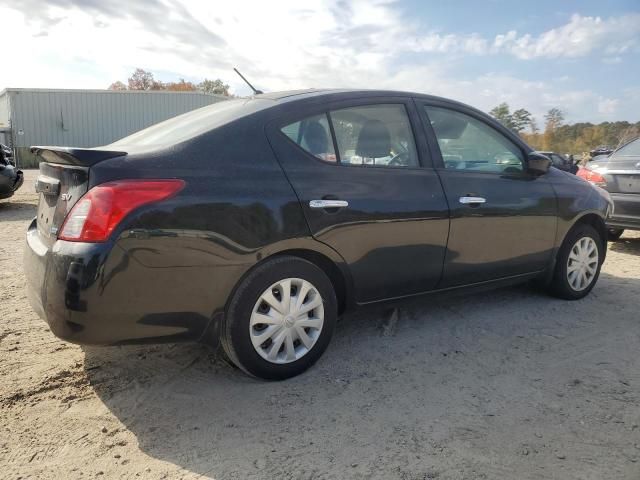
[[505, 384]]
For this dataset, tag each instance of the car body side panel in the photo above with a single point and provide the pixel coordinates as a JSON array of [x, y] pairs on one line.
[[170, 267], [576, 198], [393, 233], [513, 233]]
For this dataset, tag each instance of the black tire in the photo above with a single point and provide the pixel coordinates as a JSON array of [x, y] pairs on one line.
[[235, 338], [614, 234], [560, 286]]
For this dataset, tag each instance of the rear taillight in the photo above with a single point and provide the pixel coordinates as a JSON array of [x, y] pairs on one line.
[[100, 210], [591, 176]]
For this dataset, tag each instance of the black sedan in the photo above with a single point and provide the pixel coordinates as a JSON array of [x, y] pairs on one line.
[[256, 222], [619, 174], [10, 177]]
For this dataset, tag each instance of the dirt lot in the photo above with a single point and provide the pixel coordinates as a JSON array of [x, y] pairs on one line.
[[509, 384]]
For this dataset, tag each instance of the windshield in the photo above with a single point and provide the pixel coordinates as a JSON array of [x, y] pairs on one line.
[[192, 124]]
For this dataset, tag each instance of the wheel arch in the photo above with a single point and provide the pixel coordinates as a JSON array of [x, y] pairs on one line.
[[329, 262], [597, 222], [328, 266]]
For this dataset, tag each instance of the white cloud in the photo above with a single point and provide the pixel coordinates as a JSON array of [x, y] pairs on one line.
[[580, 37], [608, 106], [451, 43], [287, 44]]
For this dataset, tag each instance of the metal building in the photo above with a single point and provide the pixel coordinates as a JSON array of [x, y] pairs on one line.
[[85, 118]]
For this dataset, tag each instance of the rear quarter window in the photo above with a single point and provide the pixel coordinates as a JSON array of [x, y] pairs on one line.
[[193, 124]]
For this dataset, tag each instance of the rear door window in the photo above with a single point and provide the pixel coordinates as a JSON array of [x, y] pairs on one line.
[[375, 135], [369, 135], [313, 135]]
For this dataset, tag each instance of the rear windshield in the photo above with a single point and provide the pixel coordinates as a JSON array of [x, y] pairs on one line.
[[626, 158], [630, 149], [192, 124]]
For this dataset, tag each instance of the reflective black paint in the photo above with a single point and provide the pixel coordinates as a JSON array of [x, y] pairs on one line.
[[11, 179], [169, 269]]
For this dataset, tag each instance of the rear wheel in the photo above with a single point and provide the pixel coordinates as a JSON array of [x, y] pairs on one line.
[[614, 234], [280, 319], [578, 263]]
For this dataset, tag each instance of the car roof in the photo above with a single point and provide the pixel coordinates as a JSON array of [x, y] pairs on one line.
[[294, 95]]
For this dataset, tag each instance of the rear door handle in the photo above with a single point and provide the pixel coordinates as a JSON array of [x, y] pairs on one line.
[[472, 200], [328, 203]]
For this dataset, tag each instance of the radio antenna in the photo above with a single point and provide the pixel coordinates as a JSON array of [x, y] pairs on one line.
[[255, 91]]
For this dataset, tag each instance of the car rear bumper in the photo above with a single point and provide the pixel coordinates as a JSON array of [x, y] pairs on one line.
[[97, 294], [626, 212]]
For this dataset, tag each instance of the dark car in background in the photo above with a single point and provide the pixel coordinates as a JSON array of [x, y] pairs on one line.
[[601, 150], [561, 162], [10, 177], [619, 174], [256, 222]]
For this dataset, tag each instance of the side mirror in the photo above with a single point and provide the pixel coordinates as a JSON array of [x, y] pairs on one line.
[[538, 163]]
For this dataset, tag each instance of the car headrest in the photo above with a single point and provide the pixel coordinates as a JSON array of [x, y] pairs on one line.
[[374, 140], [316, 138]]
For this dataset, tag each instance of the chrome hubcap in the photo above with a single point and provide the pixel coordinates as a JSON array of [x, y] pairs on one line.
[[582, 263], [286, 320]]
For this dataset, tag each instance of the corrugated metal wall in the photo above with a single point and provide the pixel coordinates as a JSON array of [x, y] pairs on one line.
[[93, 117], [4, 110], [5, 132]]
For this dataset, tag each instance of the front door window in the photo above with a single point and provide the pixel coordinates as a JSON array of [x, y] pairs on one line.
[[467, 143]]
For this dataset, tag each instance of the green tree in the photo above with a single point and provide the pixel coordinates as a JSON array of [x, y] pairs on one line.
[[521, 119], [117, 86], [502, 114], [628, 134], [554, 119], [180, 86], [143, 80], [216, 87]]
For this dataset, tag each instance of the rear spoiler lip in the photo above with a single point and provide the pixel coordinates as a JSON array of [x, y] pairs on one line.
[[82, 157]]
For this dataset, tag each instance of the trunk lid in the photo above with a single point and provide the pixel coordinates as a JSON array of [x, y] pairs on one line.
[[623, 175], [63, 180]]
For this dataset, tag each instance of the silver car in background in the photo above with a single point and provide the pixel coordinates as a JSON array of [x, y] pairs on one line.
[[619, 174]]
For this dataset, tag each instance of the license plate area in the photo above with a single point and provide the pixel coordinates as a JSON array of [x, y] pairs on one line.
[[629, 183], [46, 211], [59, 187]]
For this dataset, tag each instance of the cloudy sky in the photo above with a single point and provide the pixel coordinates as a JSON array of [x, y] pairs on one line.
[[581, 56]]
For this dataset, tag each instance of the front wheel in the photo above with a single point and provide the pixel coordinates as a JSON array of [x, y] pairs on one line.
[[280, 319], [578, 263]]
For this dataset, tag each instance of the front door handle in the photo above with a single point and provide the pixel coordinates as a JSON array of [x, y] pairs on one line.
[[328, 203], [472, 200]]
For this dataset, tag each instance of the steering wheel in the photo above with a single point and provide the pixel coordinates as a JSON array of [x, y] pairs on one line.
[[399, 160]]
